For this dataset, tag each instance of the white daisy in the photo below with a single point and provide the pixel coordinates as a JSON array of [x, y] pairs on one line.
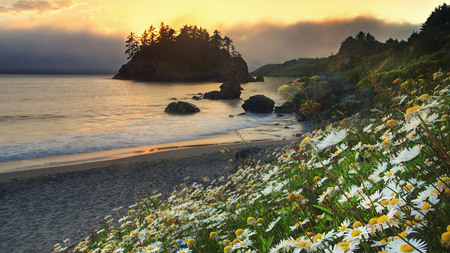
[[407, 154], [272, 224], [406, 245], [332, 139]]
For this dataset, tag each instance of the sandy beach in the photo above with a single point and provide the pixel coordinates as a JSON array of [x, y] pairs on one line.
[[41, 207]]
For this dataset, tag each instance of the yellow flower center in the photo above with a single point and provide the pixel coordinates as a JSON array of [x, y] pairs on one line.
[[384, 202], [412, 109], [357, 224], [406, 248], [425, 96], [382, 219], [239, 232], [227, 248], [305, 140], [317, 237], [302, 244], [356, 232], [389, 174], [393, 201], [250, 220], [425, 207], [373, 221], [409, 187], [316, 178], [402, 234], [445, 236], [443, 180], [389, 122], [342, 228]]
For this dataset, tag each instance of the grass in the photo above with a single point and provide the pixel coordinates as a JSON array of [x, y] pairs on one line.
[[373, 183]]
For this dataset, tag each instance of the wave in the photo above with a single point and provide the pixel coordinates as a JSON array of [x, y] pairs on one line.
[[6, 118]]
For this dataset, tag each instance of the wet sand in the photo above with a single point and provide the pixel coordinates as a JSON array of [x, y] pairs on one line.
[[41, 207]]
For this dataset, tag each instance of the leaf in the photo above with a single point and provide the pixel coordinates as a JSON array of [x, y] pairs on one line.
[[323, 209]]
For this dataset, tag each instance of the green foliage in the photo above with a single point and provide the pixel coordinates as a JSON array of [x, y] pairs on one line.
[[370, 184], [293, 68]]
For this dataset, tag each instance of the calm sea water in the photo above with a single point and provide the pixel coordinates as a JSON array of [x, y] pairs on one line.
[[43, 116]]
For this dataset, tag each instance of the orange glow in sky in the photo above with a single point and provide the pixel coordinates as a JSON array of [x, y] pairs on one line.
[[122, 17]]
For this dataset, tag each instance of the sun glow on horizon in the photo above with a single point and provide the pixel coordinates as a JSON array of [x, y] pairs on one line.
[[117, 17]]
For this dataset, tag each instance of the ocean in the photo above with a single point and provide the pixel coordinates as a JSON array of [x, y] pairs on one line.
[[53, 116]]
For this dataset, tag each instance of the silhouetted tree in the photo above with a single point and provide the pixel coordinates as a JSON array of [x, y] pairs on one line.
[[227, 43], [148, 36], [360, 36], [132, 45], [440, 16], [216, 40], [192, 32], [369, 38], [166, 33]]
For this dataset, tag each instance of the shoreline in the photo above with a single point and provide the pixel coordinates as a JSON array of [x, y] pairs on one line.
[[120, 157], [42, 166], [42, 207]]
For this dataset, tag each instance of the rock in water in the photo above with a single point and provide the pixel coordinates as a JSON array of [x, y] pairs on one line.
[[230, 89], [287, 108], [181, 107], [259, 104]]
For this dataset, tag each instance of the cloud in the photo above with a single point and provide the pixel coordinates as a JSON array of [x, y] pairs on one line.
[[266, 43], [49, 50], [40, 6]]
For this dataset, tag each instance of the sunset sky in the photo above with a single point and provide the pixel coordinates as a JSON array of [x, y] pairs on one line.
[[73, 33]]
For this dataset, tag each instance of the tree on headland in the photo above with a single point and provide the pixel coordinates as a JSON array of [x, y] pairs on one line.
[[216, 39], [148, 36], [188, 33], [166, 33], [132, 45], [227, 43]]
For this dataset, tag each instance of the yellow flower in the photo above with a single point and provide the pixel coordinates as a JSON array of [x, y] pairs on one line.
[[305, 140], [227, 248], [357, 224], [251, 221], [344, 121], [406, 248], [317, 237], [412, 109], [355, 232], [239, 232], [382, 219], [445, 236], [443, 180], [389, 122], [191, 243], [212, 235]]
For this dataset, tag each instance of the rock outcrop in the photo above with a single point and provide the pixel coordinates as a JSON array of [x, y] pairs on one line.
[[181, 107], [183, 62], [286, 108], [230, 89], [258, 104]]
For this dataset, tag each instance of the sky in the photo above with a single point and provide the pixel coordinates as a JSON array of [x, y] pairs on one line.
[[87, 36]]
